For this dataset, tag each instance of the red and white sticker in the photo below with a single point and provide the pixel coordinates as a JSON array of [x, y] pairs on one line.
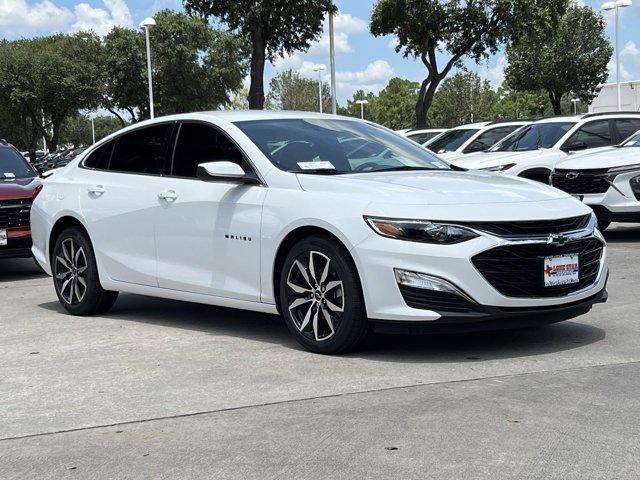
[[561, 270], [3, 237]]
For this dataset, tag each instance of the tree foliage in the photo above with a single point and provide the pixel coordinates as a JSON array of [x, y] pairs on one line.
[[393, 106], [458, 30], [462, 98], [571, 59], [274, 27], [291, 91]]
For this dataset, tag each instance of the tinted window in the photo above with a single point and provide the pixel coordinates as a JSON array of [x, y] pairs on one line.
[[199, 143], [593, 134], [422, 137], [345, 146], [489, 138], [537, 135], [142, 151], [451, 140], [13, 165], [627, 127], [100, 158]]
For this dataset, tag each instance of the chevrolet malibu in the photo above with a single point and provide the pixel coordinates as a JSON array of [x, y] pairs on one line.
[[337, 224]]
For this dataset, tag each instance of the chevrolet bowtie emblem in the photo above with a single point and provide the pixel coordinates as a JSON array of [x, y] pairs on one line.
[[572, 175], [557, 240]]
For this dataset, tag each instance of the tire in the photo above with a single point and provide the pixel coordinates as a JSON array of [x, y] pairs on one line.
[[75, 275], [325, 314], [603, 225]]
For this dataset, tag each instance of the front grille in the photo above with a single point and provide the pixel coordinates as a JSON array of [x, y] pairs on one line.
[[517, 270], [438, 301], [15, 213], [586, 181], [532, 228]]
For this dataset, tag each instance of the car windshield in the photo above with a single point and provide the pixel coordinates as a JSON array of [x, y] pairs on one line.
[[452, 140], [12, 165], [533, 137], [632, 141], [313, 145]]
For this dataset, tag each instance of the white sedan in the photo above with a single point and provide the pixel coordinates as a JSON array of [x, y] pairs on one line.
[[340, 225]]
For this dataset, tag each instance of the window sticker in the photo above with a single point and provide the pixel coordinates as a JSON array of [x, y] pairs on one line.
[[322, 165]]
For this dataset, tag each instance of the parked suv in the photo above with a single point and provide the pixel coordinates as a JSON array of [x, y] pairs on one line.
[[19, 185], [533, 151], [422, 135], [608, 181], [470, 138]]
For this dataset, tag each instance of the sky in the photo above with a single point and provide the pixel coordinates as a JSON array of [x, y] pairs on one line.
[[362, 60]]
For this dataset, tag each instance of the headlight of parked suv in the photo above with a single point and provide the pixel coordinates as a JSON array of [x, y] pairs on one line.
[[635, 186], [420, 230], [499, 168]]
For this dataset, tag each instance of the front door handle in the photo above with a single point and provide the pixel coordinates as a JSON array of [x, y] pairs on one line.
[[96, 189], [169, 195]]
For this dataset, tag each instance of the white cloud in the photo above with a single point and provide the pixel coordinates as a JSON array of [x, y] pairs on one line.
[[624, 73], [344, 25], [494, 74], [347, 23], [373, 78], [630, 49], [99, 20], [19, 17]]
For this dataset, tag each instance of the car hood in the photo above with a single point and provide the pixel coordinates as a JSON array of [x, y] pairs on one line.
[[607, 158], [11, 188], [433, 187], [493, 159]]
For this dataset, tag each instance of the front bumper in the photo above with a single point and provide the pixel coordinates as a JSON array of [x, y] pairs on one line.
[[18, 243], [377, 257]]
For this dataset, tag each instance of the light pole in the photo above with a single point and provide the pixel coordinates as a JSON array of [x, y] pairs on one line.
[[92, 116], [362, 103], [147, 23], [319, 69], [332, 60], [575, 105], [618, 4]]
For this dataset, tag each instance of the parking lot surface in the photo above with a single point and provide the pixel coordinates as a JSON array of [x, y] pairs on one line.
[[167, 389]]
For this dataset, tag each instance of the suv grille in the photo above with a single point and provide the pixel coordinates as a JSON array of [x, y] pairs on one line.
[[532, 228], [15, 213], [587, 181], [517, 270]]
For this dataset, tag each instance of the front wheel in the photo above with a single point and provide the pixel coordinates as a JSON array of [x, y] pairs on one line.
[[320, 296], [75, 275]]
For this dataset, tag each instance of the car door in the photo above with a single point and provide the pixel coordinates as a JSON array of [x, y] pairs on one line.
[[208, 233], [121, 202]]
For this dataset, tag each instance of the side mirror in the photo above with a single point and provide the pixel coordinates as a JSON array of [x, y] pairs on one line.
[[575, 146], [476, 147], [226, 172]]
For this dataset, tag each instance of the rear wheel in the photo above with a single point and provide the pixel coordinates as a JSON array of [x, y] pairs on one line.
[[75, 275], [320, 296]]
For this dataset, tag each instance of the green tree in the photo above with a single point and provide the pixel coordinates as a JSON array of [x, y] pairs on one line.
[[571, 59], [196, 67], [462, 98], [519, 104], [457, 30], [76, 131], [274, 27], [394, 105], [352, 109], [291, 91]]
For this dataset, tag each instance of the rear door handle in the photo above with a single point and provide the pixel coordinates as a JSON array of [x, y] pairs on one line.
[[96, 189], [169, 195]]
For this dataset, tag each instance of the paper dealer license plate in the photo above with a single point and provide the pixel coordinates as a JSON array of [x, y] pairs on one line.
[[3, 237], [561, 270]]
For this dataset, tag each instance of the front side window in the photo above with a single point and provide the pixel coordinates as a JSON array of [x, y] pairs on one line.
[[627, 127], [452, 140], [142, 151], [489, 138], [340, 146], [199, 143], [592, 134], [633, 141], [13, 165], [533, 137]]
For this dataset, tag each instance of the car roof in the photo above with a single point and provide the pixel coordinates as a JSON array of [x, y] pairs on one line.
[[587, 116]]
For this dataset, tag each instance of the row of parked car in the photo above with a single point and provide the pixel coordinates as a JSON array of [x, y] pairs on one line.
[[60, 158], [591, 156]]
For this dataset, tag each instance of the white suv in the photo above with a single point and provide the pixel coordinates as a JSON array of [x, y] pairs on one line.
[[533, 151], [473, 137], [608, 181]]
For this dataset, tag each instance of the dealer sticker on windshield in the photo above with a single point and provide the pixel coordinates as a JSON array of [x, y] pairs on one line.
[[322, 165], [561, 270], [3, 237]]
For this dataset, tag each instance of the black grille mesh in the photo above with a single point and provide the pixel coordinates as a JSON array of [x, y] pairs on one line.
[[532, 228], [586, 181], [15, 213]]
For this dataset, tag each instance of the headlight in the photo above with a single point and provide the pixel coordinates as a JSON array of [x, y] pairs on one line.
[[499, 168], [624, 169], [420, 230], [635, 186]]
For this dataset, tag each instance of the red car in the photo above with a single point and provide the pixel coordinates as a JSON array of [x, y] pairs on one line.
[[19, 185]]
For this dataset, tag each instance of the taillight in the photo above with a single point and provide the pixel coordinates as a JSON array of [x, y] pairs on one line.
[[36, 191]]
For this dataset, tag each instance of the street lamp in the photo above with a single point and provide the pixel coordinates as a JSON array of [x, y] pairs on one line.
[[319, 69], [147, 23], [575, 105], [362, 103], [618, 4], [92, 117], [332, 61]]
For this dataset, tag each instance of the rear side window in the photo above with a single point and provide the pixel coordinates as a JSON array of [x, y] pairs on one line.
[[627, 127], [593, 134], [489, 138], [199, 143], [99, 158], [142, 151]]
